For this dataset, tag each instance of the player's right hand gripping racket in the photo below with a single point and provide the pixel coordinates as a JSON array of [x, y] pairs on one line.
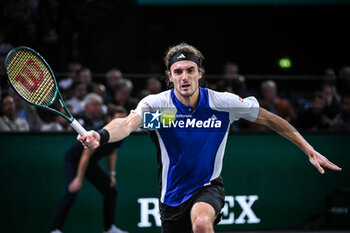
[[33, 80]]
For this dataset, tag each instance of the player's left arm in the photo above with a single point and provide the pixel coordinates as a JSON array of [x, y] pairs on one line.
[[285, 129]]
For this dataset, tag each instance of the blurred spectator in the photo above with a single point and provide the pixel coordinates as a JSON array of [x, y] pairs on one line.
[[230, 69], [122, 94], [232, 81], [27, 112], [332, 104], [73, 69], [9, 121], [85, 76], [4, 49], [314, 118], [273, 103], [153, 86], [238, 85], [77, 101], [341, 122], [230, 75], [92, 116], [343, 83], [330, 79], [59, 125], [100, 89], [113, 77]]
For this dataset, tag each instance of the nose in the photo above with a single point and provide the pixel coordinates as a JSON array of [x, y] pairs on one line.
[[185, 76]]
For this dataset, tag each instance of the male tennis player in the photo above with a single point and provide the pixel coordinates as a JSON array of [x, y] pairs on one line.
[[191, 145]]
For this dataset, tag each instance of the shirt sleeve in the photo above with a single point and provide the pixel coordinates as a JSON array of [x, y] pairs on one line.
[[247, 108], [143, 105], [238, 108], [148, 104]]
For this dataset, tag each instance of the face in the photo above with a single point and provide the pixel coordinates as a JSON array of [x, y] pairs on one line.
[[154, 87], [114, 78], [85, 76], [8, 106], [80, 91], [122, 95], [74, 69], [270, 93], [100, 89], [94, 108], [185, 77], [318, 105], [18, 100]]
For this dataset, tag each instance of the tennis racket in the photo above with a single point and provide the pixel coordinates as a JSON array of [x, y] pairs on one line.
[[32, 78]]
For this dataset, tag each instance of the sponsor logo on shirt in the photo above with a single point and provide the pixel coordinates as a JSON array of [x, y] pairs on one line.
[[168, 119], [151, 120]]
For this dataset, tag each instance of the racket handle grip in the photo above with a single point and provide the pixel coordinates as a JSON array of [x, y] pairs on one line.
[[78, 127]]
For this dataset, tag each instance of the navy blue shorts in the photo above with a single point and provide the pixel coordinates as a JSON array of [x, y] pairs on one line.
[[178, 219]]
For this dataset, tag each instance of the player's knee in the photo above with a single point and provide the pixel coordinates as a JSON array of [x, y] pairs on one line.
[[202, 224]]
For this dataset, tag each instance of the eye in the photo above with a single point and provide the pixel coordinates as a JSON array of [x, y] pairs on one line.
[[190, 70], [177, 71]]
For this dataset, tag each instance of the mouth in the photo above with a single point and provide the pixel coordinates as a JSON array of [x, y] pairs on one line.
[[185, 85]]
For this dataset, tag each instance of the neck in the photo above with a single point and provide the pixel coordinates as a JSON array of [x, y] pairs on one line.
[[189, 100]]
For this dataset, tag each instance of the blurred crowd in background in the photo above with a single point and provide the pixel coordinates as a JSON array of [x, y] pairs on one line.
[[325, 106], [62, 28]]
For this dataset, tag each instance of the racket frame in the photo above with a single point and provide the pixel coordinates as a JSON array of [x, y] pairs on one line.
[[73, 122]]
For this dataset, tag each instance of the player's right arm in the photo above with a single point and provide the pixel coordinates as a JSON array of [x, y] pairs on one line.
[[118, 129]]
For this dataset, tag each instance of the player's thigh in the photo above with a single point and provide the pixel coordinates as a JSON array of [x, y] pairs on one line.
[[203, 212], [210, 198]]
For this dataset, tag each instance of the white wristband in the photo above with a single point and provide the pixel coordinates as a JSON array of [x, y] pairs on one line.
[[112, 173]]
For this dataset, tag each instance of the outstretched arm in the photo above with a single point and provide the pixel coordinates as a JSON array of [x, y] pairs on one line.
[[118, 129], [285, 129]]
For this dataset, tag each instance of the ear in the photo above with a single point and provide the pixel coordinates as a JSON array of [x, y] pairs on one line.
[[200, 75], [169, 76]]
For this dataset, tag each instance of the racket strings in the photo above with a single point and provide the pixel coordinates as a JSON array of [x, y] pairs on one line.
[[31, 77]]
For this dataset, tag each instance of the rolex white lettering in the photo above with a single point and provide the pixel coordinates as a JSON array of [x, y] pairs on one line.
[[237, 210]]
